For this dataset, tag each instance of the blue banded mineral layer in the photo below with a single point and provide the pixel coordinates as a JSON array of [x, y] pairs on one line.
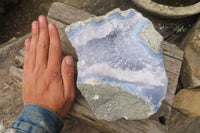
[[121, 49]]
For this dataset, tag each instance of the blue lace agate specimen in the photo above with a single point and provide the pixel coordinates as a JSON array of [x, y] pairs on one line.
[[120, 65]]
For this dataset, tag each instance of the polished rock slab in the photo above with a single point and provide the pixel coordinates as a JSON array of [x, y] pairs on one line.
[[120, 65]]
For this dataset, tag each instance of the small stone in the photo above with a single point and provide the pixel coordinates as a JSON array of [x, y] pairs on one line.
[[188, 101], [12, 39], [120, 65]]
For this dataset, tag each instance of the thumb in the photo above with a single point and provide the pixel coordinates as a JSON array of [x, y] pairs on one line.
[[68, 76]]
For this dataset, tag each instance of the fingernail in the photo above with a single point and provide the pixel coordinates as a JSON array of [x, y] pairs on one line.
[[41, 19], [34, 25], [27, 45], [50, 26], [27, 41], [69, 60]]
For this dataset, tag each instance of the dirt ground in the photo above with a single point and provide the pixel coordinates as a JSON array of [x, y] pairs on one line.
[[17, 21], [177, 2]]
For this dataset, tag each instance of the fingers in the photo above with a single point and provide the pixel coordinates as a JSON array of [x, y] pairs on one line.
[[55, 54], [40, 53], [26, 58], [43, 43], [68, 77], [32, 50]]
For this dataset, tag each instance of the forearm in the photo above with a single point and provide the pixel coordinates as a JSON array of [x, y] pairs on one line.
[[37, 119]]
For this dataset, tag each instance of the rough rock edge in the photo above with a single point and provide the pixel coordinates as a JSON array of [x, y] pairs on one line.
[[150, 27], [153, 38], [117, 91]]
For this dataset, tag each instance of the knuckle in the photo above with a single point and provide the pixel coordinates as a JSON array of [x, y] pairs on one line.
[[26, 49], [37, 71], [34, 32], [56, 49], [56, 46], [43, 27], [44, 85], [31, 51], [42, 44], [69, 74]]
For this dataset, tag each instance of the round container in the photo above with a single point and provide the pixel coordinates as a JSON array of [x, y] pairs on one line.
[[167, 11]]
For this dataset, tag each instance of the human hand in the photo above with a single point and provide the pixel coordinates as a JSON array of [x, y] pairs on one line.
[[47, 81]]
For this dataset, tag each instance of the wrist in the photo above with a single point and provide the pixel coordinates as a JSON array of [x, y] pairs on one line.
[[38, 118]]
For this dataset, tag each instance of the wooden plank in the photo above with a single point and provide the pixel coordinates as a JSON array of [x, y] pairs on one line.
[[19, 60], [67, 14], [12, 47], [172, 65], [22, 52], [10, 105], [171, 88], [172, 50], [173, 58], [16, 76]]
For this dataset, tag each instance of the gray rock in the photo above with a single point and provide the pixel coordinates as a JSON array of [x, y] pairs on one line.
[[190, 73], [111, 103], [120, 67], [187, 101]]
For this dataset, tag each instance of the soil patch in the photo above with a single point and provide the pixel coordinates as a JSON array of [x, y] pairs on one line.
[[18, 18], [176, 3]]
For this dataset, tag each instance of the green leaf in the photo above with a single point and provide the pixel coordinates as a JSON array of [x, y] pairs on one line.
[[180, 29], [176, 28]]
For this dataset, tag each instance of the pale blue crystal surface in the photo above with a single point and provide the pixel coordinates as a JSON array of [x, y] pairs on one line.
[[114, 50]]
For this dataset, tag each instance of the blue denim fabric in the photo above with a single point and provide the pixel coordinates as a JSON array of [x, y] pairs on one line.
[[37, 119]]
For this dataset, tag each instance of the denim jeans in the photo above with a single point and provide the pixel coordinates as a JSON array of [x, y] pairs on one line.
[[36, 119]]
